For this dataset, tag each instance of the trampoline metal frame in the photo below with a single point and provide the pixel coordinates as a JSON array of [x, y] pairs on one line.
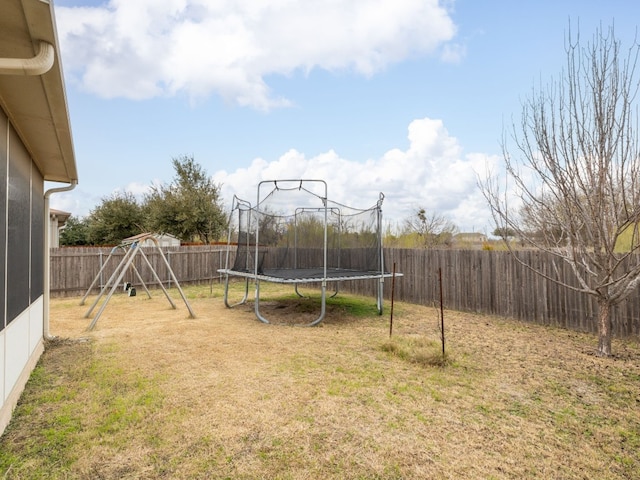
[[297, 281], [324, 279]]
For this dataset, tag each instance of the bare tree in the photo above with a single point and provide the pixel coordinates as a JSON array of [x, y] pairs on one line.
[[576, 174], [433, 229]]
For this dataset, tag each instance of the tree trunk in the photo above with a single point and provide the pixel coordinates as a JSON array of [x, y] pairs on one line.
[[604, 328]]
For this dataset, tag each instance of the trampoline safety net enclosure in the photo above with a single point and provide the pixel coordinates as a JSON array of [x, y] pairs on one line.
[[295, 234]]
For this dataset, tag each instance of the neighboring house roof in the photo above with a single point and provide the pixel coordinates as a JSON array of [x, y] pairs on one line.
[[470, 236], [36, 104], [60, 215]]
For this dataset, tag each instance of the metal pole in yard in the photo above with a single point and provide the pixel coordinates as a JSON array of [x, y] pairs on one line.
[[441, 310], [393, 288]]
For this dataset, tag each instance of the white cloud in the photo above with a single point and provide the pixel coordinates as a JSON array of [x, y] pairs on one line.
[[80, 202], [453, 52], [137, 189], [147, 48], [432, 173]]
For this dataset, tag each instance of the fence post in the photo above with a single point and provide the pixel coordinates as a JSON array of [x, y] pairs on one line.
[[170, 267], [100, 270]]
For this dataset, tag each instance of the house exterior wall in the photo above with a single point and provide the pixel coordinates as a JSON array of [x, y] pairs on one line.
[[163, 241], [21, 267], [54, 232]]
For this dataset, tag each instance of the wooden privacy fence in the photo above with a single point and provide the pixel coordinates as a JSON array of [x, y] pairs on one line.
[[473, 280], [73, 269], [496, 283]]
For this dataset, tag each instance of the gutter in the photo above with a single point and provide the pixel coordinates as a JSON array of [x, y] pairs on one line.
[[47, 257], [38, 65]]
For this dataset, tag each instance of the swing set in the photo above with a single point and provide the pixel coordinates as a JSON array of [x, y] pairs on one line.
[[132, 248]]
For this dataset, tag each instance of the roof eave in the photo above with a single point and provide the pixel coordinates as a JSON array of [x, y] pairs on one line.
[[37, 105]]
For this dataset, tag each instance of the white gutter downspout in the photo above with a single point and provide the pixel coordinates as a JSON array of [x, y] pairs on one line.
[[41, 63], [47, 257]]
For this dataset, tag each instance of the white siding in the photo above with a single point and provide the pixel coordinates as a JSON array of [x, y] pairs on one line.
[[17, 349], [20, 348], [36, 314], [3, 393]]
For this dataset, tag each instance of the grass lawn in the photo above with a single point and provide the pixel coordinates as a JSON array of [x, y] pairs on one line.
[[152, 393]]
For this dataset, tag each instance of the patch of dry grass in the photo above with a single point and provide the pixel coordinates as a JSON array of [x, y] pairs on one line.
[[155, 394]]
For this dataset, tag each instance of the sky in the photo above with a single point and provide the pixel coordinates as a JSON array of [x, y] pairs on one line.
[[410, 98]]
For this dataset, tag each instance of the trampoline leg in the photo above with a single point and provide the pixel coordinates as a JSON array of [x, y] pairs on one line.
[[323, 305], [226, 293], [257, 304], [380, 295], [335, 291]]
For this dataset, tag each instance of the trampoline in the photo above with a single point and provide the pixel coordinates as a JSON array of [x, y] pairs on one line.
[[295, 235]]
